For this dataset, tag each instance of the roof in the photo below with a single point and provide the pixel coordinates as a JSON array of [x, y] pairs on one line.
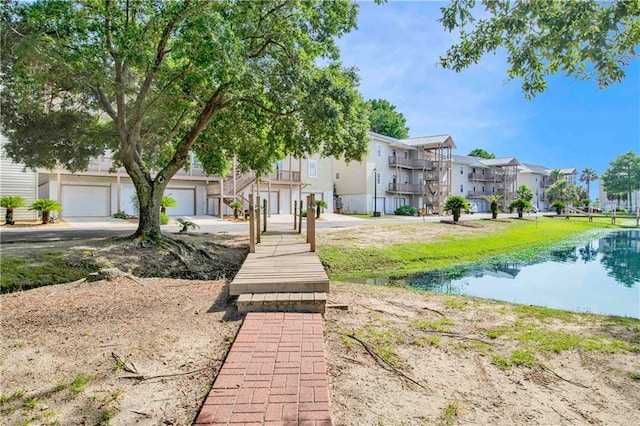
[[533, 168], [506, 161], [469, 160], [435, 141], [570, 171]]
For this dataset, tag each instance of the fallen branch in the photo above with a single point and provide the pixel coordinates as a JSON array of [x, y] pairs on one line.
[[383, 362], [142, 377], [545, 368], [457, 336], [414, 308], [123, 364]]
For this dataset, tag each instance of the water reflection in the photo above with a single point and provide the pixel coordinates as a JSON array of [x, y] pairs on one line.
[[596, 273]]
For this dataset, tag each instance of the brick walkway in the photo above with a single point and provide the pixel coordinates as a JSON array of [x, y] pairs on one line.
[[275, 374]]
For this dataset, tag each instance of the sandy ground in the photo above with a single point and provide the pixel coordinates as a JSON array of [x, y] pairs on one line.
[[455, 379], [175, 334], [125, 352]]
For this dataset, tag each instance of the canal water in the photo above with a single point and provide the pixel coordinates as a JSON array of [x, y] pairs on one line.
[[601, 276]]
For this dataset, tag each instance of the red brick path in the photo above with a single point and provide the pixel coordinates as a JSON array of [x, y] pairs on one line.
[[275, 374]]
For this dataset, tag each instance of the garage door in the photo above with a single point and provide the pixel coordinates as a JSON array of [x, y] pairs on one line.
[[185, 199], [81, 200], [273, 203]]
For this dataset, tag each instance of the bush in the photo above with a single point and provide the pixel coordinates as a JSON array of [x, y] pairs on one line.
[[558, 205], [405, 211], [164, 219], [621, 210], [122, 215]]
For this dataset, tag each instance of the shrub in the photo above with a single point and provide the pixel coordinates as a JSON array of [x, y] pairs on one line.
[[164, 219], [122, 215], [45, 206], [165, 202], [405, 211], [11, 202], [187, 224], [558, 205], [455, 204], [621, 210]]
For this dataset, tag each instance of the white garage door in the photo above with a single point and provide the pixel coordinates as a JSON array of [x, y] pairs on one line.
[[273, 203], [81, 200], [186, 200]]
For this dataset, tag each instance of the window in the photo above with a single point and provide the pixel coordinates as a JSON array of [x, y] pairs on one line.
[[337, 175], [461, 188], [393, 152], [473, 170], [394, 179], [378, 150], [280, 165], [482, 171], [405, 179], [474, 189], [313, 168], [461, 170], [406, 154], [420, 179], [378, 177]]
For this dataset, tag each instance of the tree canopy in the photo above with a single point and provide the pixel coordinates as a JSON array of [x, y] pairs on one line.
[[479, 152], [584, 39], [384, 119], [153, 80], [622, 177]]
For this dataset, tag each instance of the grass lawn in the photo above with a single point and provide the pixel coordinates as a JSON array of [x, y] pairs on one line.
[[346, 257]]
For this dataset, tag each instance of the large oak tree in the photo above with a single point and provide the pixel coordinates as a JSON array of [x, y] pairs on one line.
[[152, 81], [622, 177], [584, 39]]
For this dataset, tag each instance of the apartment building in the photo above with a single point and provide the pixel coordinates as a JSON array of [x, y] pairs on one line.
[[103, 189], [17, 180], [477, 178], [414, 171]]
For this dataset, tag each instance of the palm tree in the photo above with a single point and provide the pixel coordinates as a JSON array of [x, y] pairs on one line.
[[493, 202], [236, 206], [520, 204], [524, 192], [165, 202], [455, 204], [320, 204], [46, 207], [11, 202], [587, 176], [555, 175]]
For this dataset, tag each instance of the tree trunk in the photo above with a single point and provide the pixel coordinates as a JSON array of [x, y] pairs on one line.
[[317, 212], [8, 217], [149, 222], [45, 217], [520, 211], [456, 215]]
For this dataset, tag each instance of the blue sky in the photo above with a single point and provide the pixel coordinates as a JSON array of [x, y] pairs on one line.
[[572, 124]]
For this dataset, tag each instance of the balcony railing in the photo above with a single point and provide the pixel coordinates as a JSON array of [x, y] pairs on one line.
[[479, 194], [411, 163], [405, 187], [285, 176]]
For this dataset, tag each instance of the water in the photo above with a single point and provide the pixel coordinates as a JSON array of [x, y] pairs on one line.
[[602, 276]]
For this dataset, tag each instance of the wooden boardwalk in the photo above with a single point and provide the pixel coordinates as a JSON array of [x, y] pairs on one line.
[[282, 263]]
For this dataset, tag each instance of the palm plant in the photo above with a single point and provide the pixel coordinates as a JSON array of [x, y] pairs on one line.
[[320, 204], [45, 206], [587, 176], [493, 204], [11, 202], [555, 175], [165, 202], [520, 204], [524, 192], [236, 206], [455, 204]]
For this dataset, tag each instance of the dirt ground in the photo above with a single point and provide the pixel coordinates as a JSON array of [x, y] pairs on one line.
[[126, 352]]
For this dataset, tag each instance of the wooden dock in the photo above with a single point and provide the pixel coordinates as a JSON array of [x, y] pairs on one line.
[[282, 263]]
